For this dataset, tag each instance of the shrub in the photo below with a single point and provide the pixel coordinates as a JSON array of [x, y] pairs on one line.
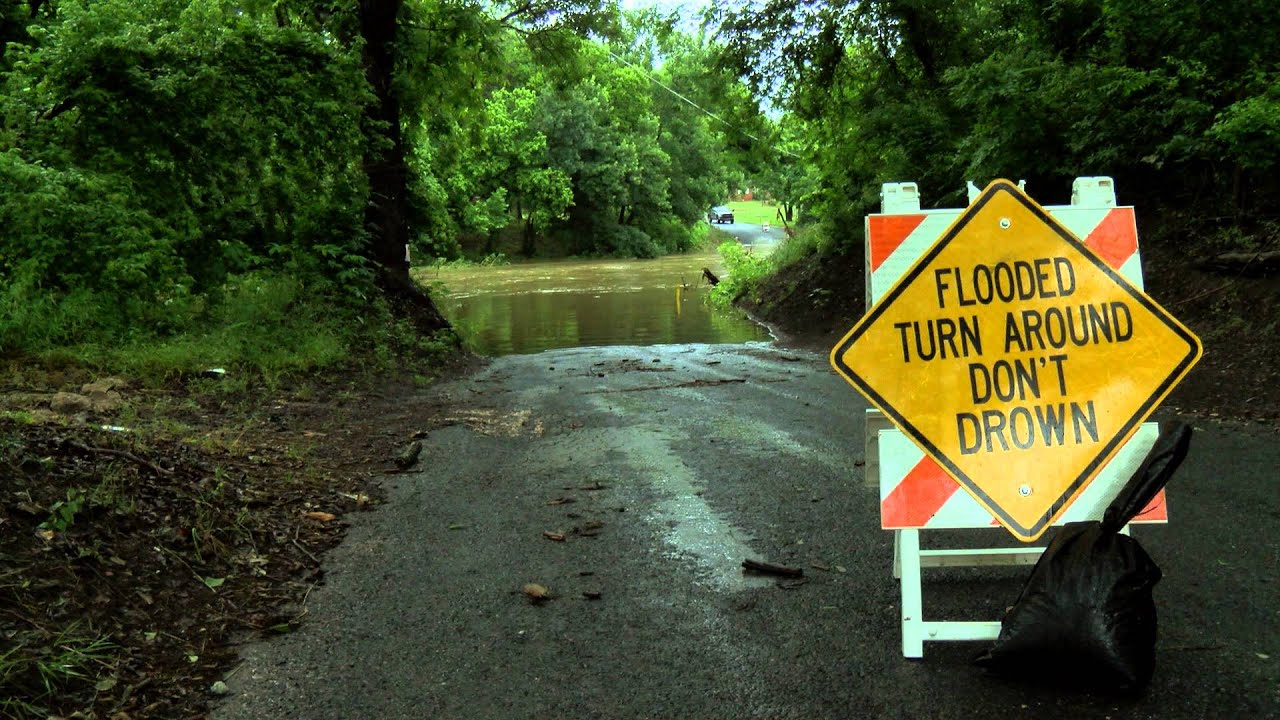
[[745, 269]]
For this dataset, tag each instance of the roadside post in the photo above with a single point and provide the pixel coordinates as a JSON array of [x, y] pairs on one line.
[[1010, 352]]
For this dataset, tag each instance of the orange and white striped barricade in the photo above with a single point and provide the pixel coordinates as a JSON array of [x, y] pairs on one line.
[[915, 492]]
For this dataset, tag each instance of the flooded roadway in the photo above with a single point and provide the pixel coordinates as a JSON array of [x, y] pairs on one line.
[[528, 307]]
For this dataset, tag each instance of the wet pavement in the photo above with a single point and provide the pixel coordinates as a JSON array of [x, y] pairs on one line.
[[663, 468]]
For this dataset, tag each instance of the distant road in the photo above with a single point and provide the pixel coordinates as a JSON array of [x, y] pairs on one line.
[[751, 233]]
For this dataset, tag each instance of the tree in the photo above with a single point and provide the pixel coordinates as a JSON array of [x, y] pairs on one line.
[[513, 155], [385, 163], [1174, 102]]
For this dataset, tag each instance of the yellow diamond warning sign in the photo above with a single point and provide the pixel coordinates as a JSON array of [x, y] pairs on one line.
[[1016, 357]]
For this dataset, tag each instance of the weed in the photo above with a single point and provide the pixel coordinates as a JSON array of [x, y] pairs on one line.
[[206, 523], [809, 241], [299, 450], [745, 269], [111, 493], [62, 515], [44, 669], [22, 417], [263, 328]]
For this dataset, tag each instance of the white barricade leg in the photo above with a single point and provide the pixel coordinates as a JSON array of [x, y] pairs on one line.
[[912, 603], [897, 554]]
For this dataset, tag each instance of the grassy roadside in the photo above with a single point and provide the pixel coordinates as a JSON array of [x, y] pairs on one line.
[[755, 212], [751, 280], [152, 518]]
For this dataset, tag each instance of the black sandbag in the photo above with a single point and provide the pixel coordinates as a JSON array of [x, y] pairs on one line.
[[1086, 615]]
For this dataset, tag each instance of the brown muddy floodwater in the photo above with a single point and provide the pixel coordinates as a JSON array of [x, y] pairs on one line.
[[534, 306]]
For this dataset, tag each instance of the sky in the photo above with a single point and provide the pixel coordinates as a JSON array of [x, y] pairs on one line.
[[664, 4]]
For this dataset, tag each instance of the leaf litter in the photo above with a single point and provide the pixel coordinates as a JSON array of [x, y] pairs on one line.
[[95, 526]]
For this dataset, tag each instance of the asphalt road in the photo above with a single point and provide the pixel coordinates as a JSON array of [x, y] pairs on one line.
[[681, 461], [752, 234]]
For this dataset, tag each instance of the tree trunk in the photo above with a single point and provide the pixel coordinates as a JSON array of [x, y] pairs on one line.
[[387, 213], [527, 247]]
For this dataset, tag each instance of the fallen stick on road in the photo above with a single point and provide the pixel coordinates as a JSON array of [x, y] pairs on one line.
[[691, 383], [771, 569]]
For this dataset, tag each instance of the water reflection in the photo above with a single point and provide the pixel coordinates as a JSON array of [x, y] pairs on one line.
[[530, 307]]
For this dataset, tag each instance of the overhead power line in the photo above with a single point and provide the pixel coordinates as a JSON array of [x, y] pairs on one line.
[[693, 104]]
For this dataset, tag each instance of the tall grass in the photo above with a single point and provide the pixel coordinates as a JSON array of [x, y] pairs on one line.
[[263, 325]]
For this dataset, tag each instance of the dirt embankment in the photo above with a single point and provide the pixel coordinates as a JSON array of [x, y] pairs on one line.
[[146, 532], [1236, 314]]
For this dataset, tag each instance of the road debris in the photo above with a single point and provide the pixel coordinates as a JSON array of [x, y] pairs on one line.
[[409, 455], [358, 498], [535, 592], [589, 529], [771, 568], [692, 383], [551, 535]]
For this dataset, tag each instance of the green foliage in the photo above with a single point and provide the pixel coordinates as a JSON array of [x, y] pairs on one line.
[[496, 259], [1248, 131], [813, 239], [184, 188], [62, 514], [72, 230], [1180, 103], [261, 326], [187, 182], [595, 143], [239, 136], [744, 269], [34, 671]]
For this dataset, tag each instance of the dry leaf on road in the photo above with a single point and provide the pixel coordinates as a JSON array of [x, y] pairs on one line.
[[536, 592], [589, 529], [321, 516]]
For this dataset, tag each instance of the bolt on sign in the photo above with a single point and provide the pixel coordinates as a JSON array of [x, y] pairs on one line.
[[1016, 357]]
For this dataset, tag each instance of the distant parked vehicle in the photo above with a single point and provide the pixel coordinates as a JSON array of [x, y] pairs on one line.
[[720, 214]]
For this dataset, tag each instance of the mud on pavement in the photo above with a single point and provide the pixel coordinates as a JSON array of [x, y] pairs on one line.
[[570, 545]]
